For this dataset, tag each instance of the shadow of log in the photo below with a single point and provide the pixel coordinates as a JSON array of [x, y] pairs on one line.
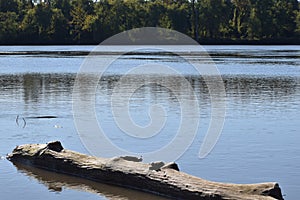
[[58, 182]]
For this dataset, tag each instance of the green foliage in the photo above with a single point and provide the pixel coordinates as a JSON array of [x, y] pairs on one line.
[[8, 6], [78, 15], [8, 26], [284, 17], [213, 18], [242, 9], [58, 30], [89, 21], [63, 5], [297, 30], [29, 26]]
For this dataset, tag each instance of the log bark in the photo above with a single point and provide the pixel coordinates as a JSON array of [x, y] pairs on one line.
[[165, 180]]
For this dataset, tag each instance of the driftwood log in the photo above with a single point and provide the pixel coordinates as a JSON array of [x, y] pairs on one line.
[[158, 178]]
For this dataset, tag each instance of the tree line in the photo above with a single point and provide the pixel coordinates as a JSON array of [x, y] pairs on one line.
[[92, 21]]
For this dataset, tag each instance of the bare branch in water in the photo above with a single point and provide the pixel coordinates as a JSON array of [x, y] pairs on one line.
[[24, 122], [17, 120]]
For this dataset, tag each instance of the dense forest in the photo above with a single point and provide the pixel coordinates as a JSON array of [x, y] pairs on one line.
[[91, 21]]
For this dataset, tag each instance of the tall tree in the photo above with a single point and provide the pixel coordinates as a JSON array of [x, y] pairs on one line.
[[297, 20], [255, 25], [58, 30], [179, 16], [78, 15], [284, 17], [8, 6], [43, 14], [86, 5], [242, 9], [23, 7], [63, 5], [101, 25], [8, 26], [29, 27], [213, 17], [194, 18]]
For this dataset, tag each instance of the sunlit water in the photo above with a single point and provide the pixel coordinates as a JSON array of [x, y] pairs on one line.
[[259, 142]]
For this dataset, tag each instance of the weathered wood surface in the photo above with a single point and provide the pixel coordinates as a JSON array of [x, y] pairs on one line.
[[162, 180]]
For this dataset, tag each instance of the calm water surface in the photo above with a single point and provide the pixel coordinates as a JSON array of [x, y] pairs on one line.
[[259, 142]]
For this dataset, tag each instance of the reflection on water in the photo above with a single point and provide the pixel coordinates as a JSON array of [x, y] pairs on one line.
[[259, 142], [58, 182], [35, 88], [40, 87], [51, 94], [267, 88]]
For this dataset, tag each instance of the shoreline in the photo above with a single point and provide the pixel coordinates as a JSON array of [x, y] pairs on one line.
[[266, 42]]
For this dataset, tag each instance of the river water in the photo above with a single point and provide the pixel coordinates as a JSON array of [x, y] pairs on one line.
[[259, 141]]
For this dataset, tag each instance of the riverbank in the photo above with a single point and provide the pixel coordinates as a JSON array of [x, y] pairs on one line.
[[274, 41]]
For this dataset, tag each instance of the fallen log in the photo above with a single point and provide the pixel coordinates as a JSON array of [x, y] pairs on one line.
[[158, 178]]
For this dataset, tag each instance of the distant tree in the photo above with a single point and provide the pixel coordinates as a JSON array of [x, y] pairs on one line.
[[8, 6], [227, 15], [8, 26], [179, 16], [135, 14], [254, 30], [101, 23], [58, 30], [241, 15], [266, 18], [63, 5], [213, 18], [86, 5], [23, 7], [285, 17], [78, 15], [260, 22], [81, 13], [43, 14], [36, 23], [29, 27], [155, 10], [297, 20], [90, 21], [194, 20]]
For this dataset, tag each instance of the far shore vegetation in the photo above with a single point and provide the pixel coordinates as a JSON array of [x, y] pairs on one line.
[[207, 21]]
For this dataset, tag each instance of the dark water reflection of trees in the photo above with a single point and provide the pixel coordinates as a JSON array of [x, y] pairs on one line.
[[35, 87]]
